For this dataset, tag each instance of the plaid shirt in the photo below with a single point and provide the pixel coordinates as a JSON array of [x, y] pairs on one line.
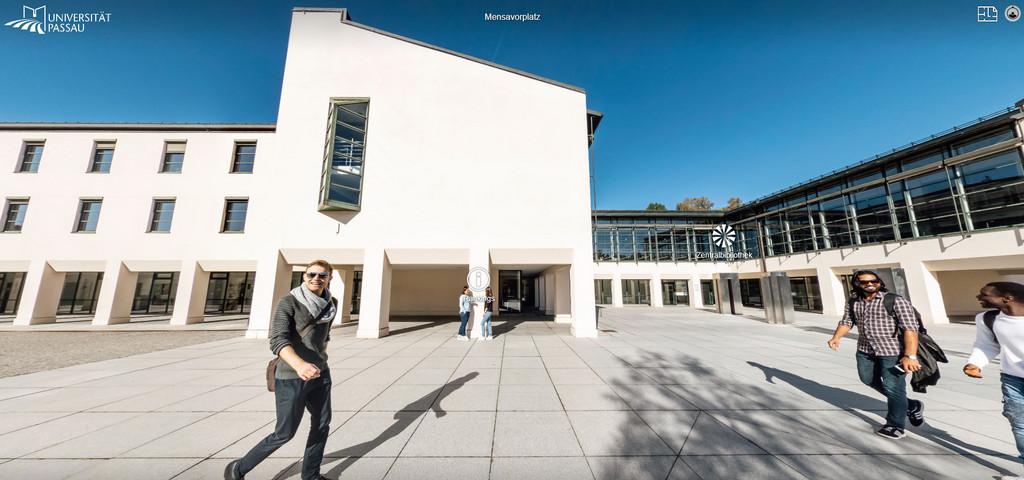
[[876, 329]]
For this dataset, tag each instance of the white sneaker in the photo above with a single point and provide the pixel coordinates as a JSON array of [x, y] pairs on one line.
[[462, 338], [1010, 477], [489, 338]]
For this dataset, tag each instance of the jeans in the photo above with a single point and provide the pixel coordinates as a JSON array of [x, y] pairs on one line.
[[486, 325], [294, 395], [1013, 408], [877, 373], [464, 318]]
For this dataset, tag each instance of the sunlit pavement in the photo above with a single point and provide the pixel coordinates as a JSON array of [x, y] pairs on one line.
[[670, 393]]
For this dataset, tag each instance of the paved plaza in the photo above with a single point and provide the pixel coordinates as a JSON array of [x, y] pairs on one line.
[[672, 393]]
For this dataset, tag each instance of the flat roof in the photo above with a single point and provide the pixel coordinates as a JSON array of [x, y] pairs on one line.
[[165, 127], [659, 213]]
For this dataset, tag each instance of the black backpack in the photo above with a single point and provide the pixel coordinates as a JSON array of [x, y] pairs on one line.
[[989, 317], [889, 302]]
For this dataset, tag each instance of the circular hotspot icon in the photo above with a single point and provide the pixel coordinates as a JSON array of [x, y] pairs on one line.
[[723, 236], [1012, 13], [478, 279]]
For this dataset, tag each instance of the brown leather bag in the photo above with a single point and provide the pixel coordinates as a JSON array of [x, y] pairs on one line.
[[272, 364]]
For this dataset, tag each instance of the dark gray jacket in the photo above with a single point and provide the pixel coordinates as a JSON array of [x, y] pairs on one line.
[[289, 319]]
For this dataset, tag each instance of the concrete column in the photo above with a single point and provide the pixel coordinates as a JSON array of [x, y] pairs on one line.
[[478, 259], [273, 281], [494, 291], [584, 309], [375, 305], [616, 290], [833, 295], [190, 298], [696, 296], [563, 295], [925, 293], [341, 288], [40, 294], [114, 304], [541, 292], [549, 292], [656, 300]]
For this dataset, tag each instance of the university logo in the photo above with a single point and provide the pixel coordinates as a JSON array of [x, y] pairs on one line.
[[723, 236], [41, 21], [36, 23]]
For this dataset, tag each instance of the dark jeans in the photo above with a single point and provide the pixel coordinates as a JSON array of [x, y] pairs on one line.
[[877, 373], [293, 396], [464, 318]]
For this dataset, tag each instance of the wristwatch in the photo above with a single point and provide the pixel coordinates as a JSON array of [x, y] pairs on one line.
[[912, 357]]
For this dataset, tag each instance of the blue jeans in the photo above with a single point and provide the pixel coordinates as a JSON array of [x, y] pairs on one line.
[[464, 318], [1013, 408], [877, 373], [486, 325]]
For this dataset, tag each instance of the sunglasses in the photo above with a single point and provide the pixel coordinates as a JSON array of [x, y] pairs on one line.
[[312, 275], [869, 281]]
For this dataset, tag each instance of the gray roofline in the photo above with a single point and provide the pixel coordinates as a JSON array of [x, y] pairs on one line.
[[346, 21], [657, 213], [149, 127]]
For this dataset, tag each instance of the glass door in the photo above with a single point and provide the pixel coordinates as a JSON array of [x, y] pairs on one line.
[[603, 292], [510, 291], [675, 292], [707, 291]]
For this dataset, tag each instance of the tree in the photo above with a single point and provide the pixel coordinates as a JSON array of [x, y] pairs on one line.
[[734, 203], [695, 204], [656, 206]]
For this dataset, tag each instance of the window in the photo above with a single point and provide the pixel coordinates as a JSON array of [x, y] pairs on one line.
[[636, 292], [603, 244], [14, 214], [245, 156], [88, 216], [234, 215], [343, 174], [750, 293], [934, 209], [103, 155], [174, 157], [982, 142], [995, 190], [31, 157], [603, 292], [921, 161], [163, 213]]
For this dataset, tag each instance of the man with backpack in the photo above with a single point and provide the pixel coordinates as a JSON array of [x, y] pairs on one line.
[[883, 360], [1000, 330]]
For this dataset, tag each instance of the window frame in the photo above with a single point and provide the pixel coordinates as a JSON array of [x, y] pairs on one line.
[[163, 157], [25, 144], [233, 167], [79, 214], [97, 146], [325, 176], [224, 214], [152, 214], [7, 212]]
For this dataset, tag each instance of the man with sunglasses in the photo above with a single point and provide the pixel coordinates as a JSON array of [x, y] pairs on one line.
[[299, 333], [883, 360]]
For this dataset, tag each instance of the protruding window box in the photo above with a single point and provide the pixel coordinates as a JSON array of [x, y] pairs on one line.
[[341, 185]]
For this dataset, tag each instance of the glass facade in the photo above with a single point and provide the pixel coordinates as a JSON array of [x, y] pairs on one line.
[[954, 188], [78, 296], [675, 292], [10, 291], [603, 292], [229, 292], [806, 294], [636, 292], [750, 293], [342, 183], [154, 292], [707, 292]]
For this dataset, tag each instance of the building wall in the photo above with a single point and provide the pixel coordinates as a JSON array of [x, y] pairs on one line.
[[427, 291]]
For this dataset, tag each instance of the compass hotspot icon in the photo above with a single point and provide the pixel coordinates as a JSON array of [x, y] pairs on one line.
[[1012, 13]]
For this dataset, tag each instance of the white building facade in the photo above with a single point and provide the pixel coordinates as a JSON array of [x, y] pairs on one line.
[[404, 165]]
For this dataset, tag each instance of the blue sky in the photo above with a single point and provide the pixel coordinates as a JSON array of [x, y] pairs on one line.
[[712, 99]]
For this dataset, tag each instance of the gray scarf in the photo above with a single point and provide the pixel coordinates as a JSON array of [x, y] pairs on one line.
[[320, 306]]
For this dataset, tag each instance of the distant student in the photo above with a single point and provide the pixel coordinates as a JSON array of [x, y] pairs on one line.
[[1000, 331], [464, 302], [485, 327]]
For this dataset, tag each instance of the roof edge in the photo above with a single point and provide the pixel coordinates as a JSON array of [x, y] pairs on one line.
[[201, 127]]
